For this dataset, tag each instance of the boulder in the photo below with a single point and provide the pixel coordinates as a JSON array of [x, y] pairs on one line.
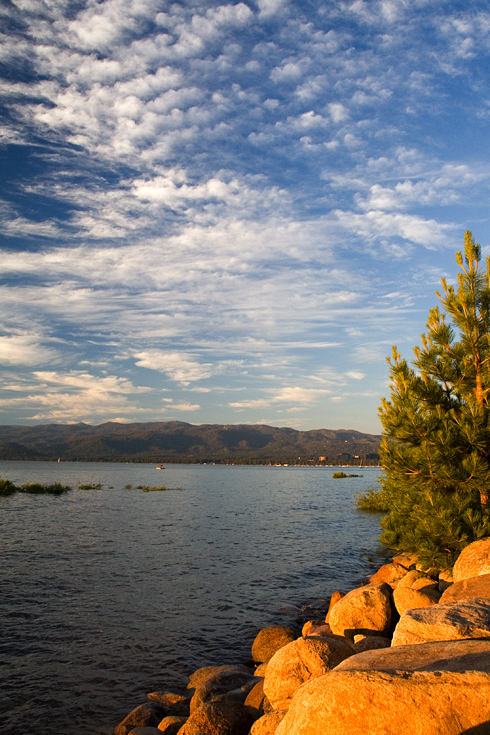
[[449, 621], [365, 610], [271, 639], [406, 598], [205, 672], [261, 669], [427, 689], [219, 718], [174, 704], [171, 724], [299, 661], [445, 580], [370, 643], [311, 626], [146, 731], [257, 700], [148, 714], [405, 560], [410, 577], [335, 597], [473, 560], [389, 573], [468, 588], [267, 724], [230, 684], [428, 586]]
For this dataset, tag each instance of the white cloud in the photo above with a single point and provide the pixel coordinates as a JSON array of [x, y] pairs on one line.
[[75, 395], [179, 366], [25, 349], [271, 7]]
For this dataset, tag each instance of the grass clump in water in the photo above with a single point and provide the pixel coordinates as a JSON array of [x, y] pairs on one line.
[[38, 488], [89, 486], [373, 500], [338, 475], [7, 487], [156, 489]]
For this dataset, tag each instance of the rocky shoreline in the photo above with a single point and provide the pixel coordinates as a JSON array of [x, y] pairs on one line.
[[406, 653]]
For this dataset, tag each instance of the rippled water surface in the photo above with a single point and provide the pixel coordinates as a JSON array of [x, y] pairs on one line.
[[109, 594]]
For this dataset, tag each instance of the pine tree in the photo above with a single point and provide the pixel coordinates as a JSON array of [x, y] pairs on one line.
[[436, 445]]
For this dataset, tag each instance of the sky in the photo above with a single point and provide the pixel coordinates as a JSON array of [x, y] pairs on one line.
[[228, 212]]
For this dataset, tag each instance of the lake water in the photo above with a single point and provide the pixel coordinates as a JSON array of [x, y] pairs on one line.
[[106, 595]]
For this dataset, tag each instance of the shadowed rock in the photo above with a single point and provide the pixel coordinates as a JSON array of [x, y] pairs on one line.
[[148, 714], [219, 718]]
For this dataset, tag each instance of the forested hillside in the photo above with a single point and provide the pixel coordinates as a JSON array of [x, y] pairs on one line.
[[175, 441]]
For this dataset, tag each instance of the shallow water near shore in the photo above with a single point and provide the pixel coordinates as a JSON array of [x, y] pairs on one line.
[[109, 594]]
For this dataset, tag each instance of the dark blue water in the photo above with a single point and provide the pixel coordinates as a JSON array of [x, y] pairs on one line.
[[108, 594]]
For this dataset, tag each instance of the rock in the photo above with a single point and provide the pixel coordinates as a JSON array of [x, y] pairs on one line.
[[405, 560], [271, 639], [146, 731], [299, 661], [365, 610], [445, 580], [219, 718], [428, 586], [205, 672], [261, 669], [406, 598], [171, 724], [473, 560], [427, 689], [267, 724], [389, 573], [468, 588], [370, 643], [257, 700], [311, 625], [336, 596], [449, 621], [174, 704], [223, 683], [148, 714]]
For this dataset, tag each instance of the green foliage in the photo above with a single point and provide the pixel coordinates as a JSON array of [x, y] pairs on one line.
[[338, 475], [7, 487], [435, 450], [156, 489], [38, 488], [89, 486], [373, 500]]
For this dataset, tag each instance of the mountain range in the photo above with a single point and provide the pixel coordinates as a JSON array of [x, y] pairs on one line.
[[176, 441]]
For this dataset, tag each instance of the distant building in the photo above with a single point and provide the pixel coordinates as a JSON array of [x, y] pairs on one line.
[[344, 456]]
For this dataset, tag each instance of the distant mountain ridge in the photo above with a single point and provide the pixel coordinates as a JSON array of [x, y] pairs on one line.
[[176, 441]]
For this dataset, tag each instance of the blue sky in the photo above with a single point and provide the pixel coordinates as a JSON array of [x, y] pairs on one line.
[[229, 212]]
